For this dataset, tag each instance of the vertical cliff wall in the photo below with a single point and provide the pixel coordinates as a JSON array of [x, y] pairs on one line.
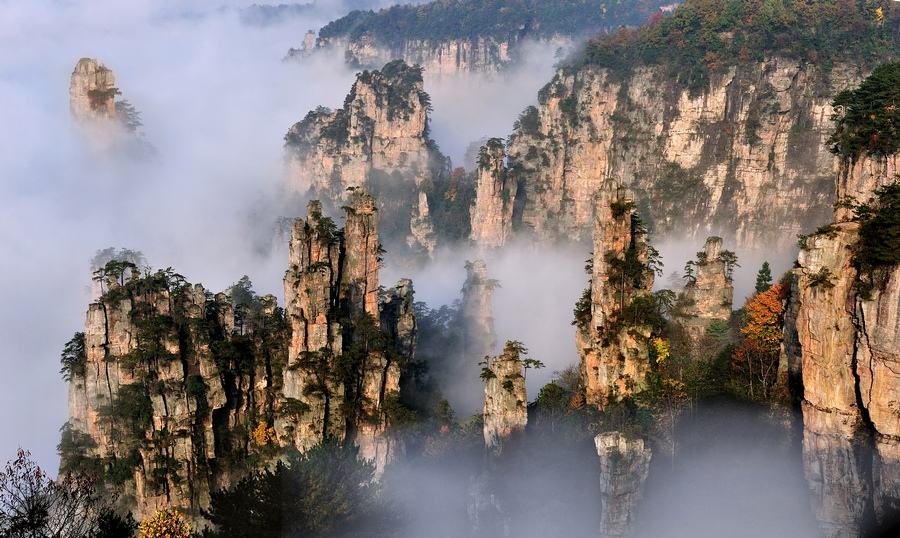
[[614, 350], [744, 155], [848, 329]]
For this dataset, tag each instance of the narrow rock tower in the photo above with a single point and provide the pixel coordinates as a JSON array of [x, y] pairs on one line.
[[477, 311], [495, 191], [708, 295], [92, 92], [505, 400], [614, 351]]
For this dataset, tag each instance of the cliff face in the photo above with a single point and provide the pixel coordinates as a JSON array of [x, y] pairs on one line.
[[505, 401], [378, 139], [745, 154], [708, 294], [614, 355], [624, 466], [491, 216], [437, 57], [180, 393], [849, 352]]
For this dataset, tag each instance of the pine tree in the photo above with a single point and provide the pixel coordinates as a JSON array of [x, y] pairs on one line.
[[763, 278]]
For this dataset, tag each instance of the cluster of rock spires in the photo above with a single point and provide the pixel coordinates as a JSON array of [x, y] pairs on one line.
[[179, 389], [379, 139], [847, 349]]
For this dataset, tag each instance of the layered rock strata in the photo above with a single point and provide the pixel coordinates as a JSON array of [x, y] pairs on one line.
[[614, 353]]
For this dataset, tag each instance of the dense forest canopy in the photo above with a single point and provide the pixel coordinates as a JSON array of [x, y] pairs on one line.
[[704, 36], [501, 19]]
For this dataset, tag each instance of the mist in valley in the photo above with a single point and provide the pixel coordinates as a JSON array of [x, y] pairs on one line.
[[216, 98]]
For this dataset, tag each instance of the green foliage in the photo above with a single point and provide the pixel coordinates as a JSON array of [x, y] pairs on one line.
[[622, 207], [487, 373], [325, 491], [73, 358], [878, 248], [500, 19], [582, 312], [75, 450], [867, 119], [110, 524], [131, 406], [822, 279], [707, 36], [763, 278]]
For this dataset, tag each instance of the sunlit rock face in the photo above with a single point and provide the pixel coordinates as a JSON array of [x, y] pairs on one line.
[[491, 215], [378, 139], [182, 392], [624, 466], [92, 91], [157, 403], [708, 295], [850, 348], [332, 275], [614, 355], [744, 155], [505, 401]]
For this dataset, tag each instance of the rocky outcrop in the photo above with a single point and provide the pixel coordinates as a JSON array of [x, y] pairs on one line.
[[164, 403], [106, 122], [614, 351], [849, 343], [491, 216], [421, 229], [92, 92], [744, 155], [505, 400], [383, 127], [477, 311], [378, 139], [708, 294], [176, 393], [624, 466]]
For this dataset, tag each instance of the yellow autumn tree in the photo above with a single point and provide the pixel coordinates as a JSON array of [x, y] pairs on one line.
[[166, 523]]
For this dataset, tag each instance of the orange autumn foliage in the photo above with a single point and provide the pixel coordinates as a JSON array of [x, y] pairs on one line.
[[764, 318]]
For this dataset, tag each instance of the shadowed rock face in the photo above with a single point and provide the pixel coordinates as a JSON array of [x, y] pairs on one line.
[[505, 401], [850, 349], [624, 465], [614, 356], [707, 298], [477, 311]]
